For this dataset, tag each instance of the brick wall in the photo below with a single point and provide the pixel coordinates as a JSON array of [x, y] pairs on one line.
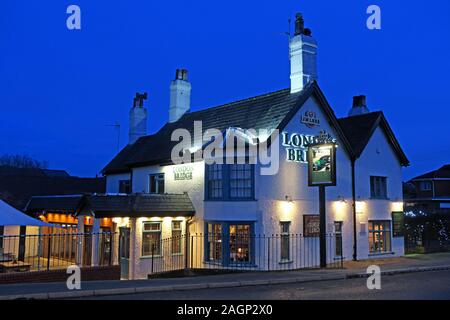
[[87, 274]]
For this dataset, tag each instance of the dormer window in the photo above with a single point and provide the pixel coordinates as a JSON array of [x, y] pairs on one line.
[[156, 183]]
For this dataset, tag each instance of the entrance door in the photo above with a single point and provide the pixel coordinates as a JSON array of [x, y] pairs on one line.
[[124, 252], [22, 240]]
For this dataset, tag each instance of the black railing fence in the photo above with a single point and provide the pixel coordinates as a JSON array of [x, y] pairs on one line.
[[54, 251], [242, 252]]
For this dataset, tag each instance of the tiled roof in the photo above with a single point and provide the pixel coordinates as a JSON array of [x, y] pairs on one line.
[[116, 205], [68, 203], [442, 173], [268, 111], [359, 129]]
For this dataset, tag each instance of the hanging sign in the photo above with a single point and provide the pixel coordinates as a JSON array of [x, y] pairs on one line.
[[322, 161]]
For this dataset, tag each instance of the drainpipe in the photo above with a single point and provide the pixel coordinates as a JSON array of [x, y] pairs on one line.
[[355, 246], [186, 243]]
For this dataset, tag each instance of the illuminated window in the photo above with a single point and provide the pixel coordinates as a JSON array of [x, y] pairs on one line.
[[214, 243], [151, 239], [240, 243], [379, 236]]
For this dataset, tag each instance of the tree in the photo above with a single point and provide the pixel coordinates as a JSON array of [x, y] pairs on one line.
[[22, 161]]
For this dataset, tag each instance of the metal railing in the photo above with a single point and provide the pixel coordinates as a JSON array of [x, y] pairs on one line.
[[241, 253], [55, 251]]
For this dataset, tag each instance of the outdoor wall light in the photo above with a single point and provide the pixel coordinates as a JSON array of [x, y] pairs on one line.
[[397, 206], [341, 199], [288, 198], [359, 206]]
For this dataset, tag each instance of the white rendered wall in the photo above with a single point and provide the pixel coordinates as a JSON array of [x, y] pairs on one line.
[[378, 159], [112, 181]]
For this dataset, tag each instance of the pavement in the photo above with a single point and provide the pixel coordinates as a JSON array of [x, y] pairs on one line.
[[58, 290]]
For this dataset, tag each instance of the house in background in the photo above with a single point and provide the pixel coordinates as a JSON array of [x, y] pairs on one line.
[[429, 192], [17, 185]]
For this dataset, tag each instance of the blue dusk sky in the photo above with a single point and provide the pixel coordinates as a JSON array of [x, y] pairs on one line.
[[60, 89]]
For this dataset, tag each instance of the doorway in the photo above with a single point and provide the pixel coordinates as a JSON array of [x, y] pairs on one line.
[[124, 252]]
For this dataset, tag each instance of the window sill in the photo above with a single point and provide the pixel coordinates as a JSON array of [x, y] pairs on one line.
[[380, 198], [285, 262], [378, 254], [338, 258]]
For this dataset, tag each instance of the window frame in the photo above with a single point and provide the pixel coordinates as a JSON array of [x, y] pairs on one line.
[[226, 183], [149, 255], [178, 239], [225, 250], [378, 183], [371, 231], [157, 180], [283, 235], [428, 182], [122, 182]]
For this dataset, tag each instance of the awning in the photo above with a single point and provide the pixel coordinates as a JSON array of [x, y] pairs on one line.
[[10, 216]]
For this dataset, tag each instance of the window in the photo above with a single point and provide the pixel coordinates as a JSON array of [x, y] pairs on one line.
[[157, 183], [230, 182], [338, 238], [125, 186], [425, 185], [214, 245], [151, 239], [241, 181], [284, 241], [378, 187], [239, 243], [215, 181], [379, 236], [176, 237], [229, 243]]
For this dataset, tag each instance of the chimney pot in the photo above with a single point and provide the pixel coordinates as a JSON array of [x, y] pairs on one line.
[[299, 24], [359, 101]]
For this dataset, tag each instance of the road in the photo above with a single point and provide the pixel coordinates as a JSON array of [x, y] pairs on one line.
[[422, 285]]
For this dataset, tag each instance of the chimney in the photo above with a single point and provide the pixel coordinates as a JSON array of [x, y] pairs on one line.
[[138, 118], [303, 56], [180, 95], [359, 106]]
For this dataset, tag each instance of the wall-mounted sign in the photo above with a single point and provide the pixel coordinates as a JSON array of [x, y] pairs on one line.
[[182, 172], [296, 146], [310, 119], [398, 224], [311, 225]]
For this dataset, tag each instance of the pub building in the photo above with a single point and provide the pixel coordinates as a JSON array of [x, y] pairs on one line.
[[218, 214]]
